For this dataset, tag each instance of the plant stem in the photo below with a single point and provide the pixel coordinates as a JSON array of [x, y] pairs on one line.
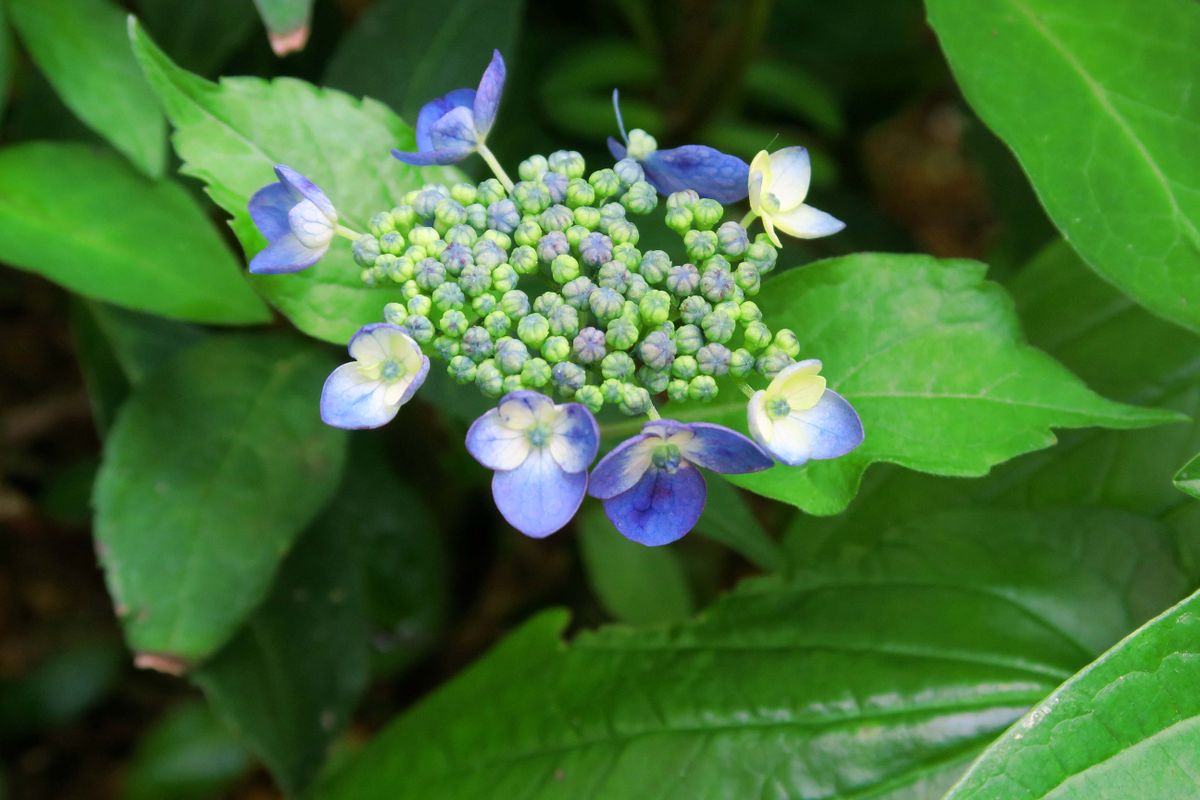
[[498, 170], [748, 219], [346, 233]]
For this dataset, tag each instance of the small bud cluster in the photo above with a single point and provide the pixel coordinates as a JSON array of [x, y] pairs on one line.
[[607, 323]]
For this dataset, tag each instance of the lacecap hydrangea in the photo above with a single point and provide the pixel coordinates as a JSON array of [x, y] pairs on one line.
[[536, 293]]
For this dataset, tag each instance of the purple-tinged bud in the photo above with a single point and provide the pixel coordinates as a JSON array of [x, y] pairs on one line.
[[762, 255], [717, 284], [657, 351], [567, 377], [590, 397], [524, 260], [446, 347], [717, 327], [477, 344], [637, 288], [551, 245], [475, 279], [693, 309], [564, 320], [556, 185], [419, 328], [772, 362], [515, 303], [732, 239], [683, 280], [576, 292], [747, 278], [685, 199], [567, 162], [557, 218], [425, 203], [484, 304], [618, 366], [713, 359], [629, 171], [595, 249], [453, 323], [488, 254], [589, 346], [610, 213], [503, 216], [429, 274]]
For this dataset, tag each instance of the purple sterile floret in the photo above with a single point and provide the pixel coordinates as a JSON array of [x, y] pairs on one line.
[[451, 127], [297, 220]]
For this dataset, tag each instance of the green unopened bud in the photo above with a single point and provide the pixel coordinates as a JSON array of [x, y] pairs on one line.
[[749, 312], [446, 347], [684, 199], [564, 268], [637, 288], [524, 260], [577, 292], [512, 383], [706, 213], [448, 214], [395, 314], [621, 334], [654, 266], [385, 265], [613, 275], [655, 307], [491, 191], [688, 339], [605, 183], [547, 302], [501, 239], [567, 162], [635, 400], [702, 388], [762, 255], [564, 320], [392, 243], [700, 245], [685, 367], [461, 369], [489, 379], [580, 193], [677, 390], [606, 304], [535, 374], [453, 323], [641, 144], [590, 397], [788, 342], [729, 308], [401, 270], [369, 276], [477, 344], [420, 305], [576, 233], [556, 218], [617, 365], [694, 309], [771, 362], [416, 254], [504, 278], [485, 304], [409, 290], [613, 391], [464, 193], [758, 336], [477, 216], [732, 239], [741, 362], [533, 330], [627, 253], [586, 217], [748, 279], [381, 223], [713, 359], [610, 213], [657, 350], [511, 355], [533, 168], [403, 218], [365, 250], [528, 233], [429, 274], [655, 380], [531, 197], [556, 349], [622, 231], [629, 171], [717, 327], [423, 236], [679, 220], [419, 327], [640, 199], [515, 303], [497, 324]]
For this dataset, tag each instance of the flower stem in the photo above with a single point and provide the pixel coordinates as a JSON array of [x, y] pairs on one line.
[[346, 233], [746, 390], [498, 170], [748, 219], [653, 414]]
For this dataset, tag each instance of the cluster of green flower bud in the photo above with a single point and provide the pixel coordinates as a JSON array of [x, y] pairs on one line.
[[544, 287]]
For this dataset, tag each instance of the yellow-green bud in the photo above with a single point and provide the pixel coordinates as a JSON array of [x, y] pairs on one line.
[[606, 304], [512, 383], [403, 218], [688, 339], [702, 388], [717, 327], [617, 365], [524, 260], [605, 183], [679, 219], [395, 314], [535, 374], [640, 199], [504, 278], [533, 168], [461, 369], [489, 379], [758, 336], [580, 193], [556, 349], [706, 213], [587, 217], [613, 391], [685, 367], [515, 303], [575, 234], [557, 218], [741, 362], [730, 309], [621, 334], [423, 236], [700, 245], [655, 307], [567, 162], [635, 400], [490, 191], [409, 290], [533, 330], [693, 309], [497, 324], [747, 278], [677, 390], [392, 243], [788, 342], [564, 268], [684, 199], [590, 397], [623, 231], [528, 232], [464, 193], [654, 266], [420, 305], [453, 323], [381, 223], [749, 312], [448, 214], [402, 270]]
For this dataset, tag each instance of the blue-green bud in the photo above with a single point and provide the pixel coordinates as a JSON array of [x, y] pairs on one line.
[[610, 213], [590, 397], [628, 254], [491, 191], [515, 303], [392, 243], [595, 249], [365, 250], [564, 268], [420, 304], [415, 253], [556, 348], [535, 374], [717, 284], [684, 199], [747, 278], [589, 346], [403, 218], [655, 307], [688, 339], [552, 245], [427, 199], [531, 197], [758, 336], [385, 265], [503, 216], [504, 278], [477, 216], [477, 344], [446, 347], [564, 320], [629, 171], [401, 270], [706, 213], [575, 234], [511, 355], [749, 312], [556, 185], [762, 255], [636, 289], [580, 193], [693, 309], [577, 292], [657, 350], [567, 162], [419, 327], [702, 388], [448, 214], [556, 218], [685, 367], [713, 359], [732, 239], [622, 231], [679, 219], [787, 341], [613, 275], [533, 168], [409, 290], [587, 217], [621, 334], [464, 193], [741, 362], [429, 274], [545, 302], [606, 304], [453, 323], [668, 328], [770, 363], [528, 232], [717, 327], [618, 365], [700, 245], [640, 199], [635, 400], [501, 240], [461, 369], [524, 260], [489, 379], [729, 308], [512, 383], [677, 390], [605, 183], [654, 266], [449, 296], [613, 391], [533, 330], [423, 236], [485, 304], [435, 249], [395, 314], [683, 280], [655, 380], [475, 279], [456, 256], [497, 324], [381, 223], [568, 378]]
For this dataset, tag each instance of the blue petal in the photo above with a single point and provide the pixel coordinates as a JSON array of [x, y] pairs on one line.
[[616, 148], [439, 157], [285, 254], [660, 508], [487, 96], [350, 400], [829, 429], [710, 172], [723, 450], [306, 189], [618, 471], [495, 445], [269, 208], [576, 438], [437, 108], [538, 497]]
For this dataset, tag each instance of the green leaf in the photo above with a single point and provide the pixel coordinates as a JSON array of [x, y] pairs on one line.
[[879, 672], [80, 46], [82, 218], [1127, 726], [231, 134], [202, 36], [186, 755], [932, 357], [636, 584], [1188, 478], [406, 54], [190, 534], [1096, 99], [287, 23], [60, 689]]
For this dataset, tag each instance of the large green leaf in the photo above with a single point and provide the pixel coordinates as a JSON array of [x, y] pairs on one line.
[[82, 218], [877, 673], [201, 36], [215, 465], [231, 134], [1188, 477], [408, 53], [1097, 100], [1128, 726], [187, 755], [932, 357], [80, 46]]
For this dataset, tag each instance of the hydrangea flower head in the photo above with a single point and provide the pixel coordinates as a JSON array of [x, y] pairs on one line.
[[388, 367], [797, 418], [451, 127], [540, 453], [709, 172], [650, 485], [297, 219], [778, 186]]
